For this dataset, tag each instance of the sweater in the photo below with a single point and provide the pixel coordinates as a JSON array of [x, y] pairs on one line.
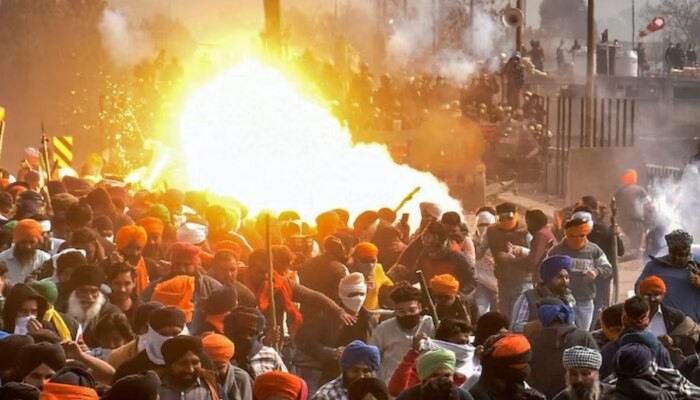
[[393, 342], [588, 258]]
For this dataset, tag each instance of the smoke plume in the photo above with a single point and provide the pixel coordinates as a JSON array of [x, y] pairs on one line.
[[126, 43], [416, 40]]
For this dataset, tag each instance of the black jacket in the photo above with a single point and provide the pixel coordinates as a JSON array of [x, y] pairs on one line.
[[548, 347], [662, 357], [644, 387], [567, 395], [483, 391], [414, 393], [320, 334]]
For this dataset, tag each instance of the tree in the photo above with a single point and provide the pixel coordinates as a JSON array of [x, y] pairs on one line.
[[682, 18], [565, 19]]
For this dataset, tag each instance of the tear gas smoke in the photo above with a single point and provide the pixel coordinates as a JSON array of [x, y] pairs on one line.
[[126, 43]]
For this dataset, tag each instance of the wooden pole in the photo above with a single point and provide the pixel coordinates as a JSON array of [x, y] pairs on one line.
[[271, 274]]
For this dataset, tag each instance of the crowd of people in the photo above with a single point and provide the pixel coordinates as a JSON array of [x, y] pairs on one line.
[[114, 293]]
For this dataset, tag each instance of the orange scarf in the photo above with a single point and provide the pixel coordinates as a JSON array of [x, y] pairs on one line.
[[217, 321], [508, 225], [281, 286], [574, 238], [58, 391], [142, 280]]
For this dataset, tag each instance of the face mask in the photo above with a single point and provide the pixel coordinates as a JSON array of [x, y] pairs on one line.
[[408, 321], [21, 324], [353, 303], [154, 341], [576, 243], [110, 238]]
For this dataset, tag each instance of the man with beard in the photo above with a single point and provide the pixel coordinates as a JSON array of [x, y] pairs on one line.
[[364, 261], [503, 238], [444, 290], [244, 327], [324, 272], [357, 361], [163, 324], [86, 302], [322, 338], [680, 272], [185, 260], [554, 275], [505, 367], [24, 256], [39, 362], [224, 268], [589, 266], [184, 377], [582, 377], [236, 383], [154, 249], [394, 336]]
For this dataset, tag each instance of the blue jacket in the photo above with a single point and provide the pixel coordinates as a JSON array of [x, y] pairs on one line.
[[680, 293]]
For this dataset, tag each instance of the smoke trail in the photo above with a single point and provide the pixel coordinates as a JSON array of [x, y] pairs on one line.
[[126, 43]]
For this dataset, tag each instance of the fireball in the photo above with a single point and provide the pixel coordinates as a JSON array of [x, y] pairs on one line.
[[248, 134]]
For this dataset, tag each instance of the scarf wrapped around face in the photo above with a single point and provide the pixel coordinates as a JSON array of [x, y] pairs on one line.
[[282, 287]]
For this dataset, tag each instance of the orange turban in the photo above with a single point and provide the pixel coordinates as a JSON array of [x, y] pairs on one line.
[[130, 233], [278, 384], [629, 177], [445, 284], [218, 347], [512, 349], [27, 229], [229, 245], [652, 284], [59, 391], [366, 250], [182, 250], [178, 292], [152, 225]]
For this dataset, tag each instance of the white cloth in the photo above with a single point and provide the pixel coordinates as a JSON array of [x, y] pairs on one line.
[[393, 342], [21, 324], [154, 343], [192, 233], [464, 354], [657, 325]]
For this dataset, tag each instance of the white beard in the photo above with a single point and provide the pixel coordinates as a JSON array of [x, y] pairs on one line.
[[75, 309]]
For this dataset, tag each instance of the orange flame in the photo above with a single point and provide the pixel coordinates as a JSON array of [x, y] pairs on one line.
[[249, 135]]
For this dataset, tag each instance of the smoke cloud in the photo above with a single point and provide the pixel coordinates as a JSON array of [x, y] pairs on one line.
[[126, 43], [415, 35]]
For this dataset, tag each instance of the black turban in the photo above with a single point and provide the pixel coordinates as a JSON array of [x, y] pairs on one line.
[[19, 391], [87, 275], [10, 347], [75, 377], [145, 386], [221, 301], [166, 316], [243, 317], [176, 347], [364, 386], [143, 313], [33, 355]]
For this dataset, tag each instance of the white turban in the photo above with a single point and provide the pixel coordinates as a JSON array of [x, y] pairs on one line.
[[192, 233]]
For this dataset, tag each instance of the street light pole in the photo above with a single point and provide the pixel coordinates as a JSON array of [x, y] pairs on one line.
[[590, 77]]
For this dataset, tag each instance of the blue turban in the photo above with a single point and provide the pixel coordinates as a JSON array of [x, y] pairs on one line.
[[357, 353], [632, 360], [551, 266], [646, 338], [547, 313]]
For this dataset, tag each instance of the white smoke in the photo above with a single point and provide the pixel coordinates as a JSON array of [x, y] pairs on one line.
[[126, 42], [413, 42]]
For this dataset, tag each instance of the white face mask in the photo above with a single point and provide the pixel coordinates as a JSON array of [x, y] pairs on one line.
[[353, 303], [141, 343], [21, 324], [154, 342]]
